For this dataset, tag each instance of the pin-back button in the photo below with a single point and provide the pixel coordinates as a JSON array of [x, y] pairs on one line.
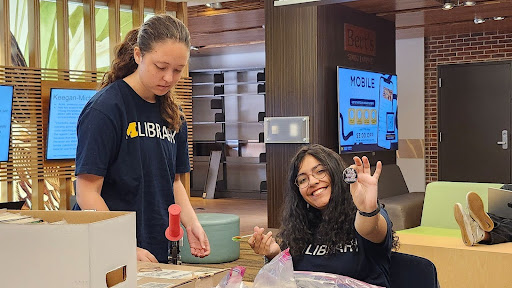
[[349, 175]]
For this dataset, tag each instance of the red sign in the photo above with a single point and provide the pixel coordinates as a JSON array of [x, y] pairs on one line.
[[360, 40]]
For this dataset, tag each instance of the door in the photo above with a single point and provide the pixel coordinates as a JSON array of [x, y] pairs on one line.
[[474, 112]]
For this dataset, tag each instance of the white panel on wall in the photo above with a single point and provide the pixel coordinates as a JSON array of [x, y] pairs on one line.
[[410, 68], [414, 173]]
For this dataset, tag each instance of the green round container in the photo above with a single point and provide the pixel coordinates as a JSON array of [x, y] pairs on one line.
[[219, 228]]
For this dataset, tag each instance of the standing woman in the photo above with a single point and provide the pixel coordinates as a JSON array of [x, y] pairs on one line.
[[331, 226], [132, 138]]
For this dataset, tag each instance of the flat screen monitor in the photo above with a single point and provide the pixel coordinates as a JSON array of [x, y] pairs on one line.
[[367, 106], [6, 95], [65, 107]]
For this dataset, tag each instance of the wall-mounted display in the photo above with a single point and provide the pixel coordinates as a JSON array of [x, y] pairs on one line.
[[6, 95], [65, 107], [367, 106]]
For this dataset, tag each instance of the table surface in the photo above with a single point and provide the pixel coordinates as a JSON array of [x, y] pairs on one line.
[[450, 242]]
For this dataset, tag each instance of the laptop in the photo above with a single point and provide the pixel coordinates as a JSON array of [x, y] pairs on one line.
[[500, 202]]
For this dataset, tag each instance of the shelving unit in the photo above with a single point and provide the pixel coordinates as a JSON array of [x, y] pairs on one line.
[[228, 112]]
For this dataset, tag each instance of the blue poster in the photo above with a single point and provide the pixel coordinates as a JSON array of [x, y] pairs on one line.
[[367, 110], [65, 108], [6, 95]]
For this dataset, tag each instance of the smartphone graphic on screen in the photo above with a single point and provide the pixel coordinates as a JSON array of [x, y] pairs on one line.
[[395, 122], [390, 122], [386, 112]]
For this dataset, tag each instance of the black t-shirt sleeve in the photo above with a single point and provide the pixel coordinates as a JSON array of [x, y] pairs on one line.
[[182, 158], [97, 143]]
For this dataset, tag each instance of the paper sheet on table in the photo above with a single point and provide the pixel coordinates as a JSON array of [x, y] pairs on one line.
[[168, 274]]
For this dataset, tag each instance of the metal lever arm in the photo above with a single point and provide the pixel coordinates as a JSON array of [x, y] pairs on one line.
[[504, 140]]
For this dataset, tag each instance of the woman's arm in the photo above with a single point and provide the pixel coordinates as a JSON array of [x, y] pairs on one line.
[[373, 229], [199, 245], [364, 194], [88, 192]]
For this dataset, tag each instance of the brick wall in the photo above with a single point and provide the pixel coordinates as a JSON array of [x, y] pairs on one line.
[[450, 49]]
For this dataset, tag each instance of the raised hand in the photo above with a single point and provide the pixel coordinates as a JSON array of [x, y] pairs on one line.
[[364, 191]]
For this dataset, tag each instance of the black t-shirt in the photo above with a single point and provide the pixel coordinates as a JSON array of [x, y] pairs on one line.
[[362, 259], [123, 138]]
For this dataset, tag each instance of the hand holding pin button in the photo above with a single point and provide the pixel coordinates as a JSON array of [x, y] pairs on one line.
[[349, 175]]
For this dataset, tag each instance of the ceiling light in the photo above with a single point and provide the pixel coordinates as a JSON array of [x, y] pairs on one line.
[[469, 3], [448, 5], [479, 20], [498, 18], [215, 5]]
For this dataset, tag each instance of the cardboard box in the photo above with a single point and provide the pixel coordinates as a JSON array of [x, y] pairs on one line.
[[152, 275], [78, 254]]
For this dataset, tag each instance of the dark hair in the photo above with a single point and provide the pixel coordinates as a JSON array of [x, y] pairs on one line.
[[157, 29], [302, 225]]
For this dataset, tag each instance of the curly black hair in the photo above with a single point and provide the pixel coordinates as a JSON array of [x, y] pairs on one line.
[[302, 225]]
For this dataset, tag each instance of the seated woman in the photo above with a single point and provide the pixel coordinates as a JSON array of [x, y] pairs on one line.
[[331, 226], [477, 226]]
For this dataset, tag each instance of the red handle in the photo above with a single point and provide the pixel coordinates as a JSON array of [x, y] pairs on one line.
[[174, 232]]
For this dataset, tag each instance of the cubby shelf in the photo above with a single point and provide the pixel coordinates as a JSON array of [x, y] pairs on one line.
[[235, 111], [229, 95], [224, 84]]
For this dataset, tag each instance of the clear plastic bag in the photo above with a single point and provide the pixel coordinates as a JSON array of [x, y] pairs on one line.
[[233, 279], [277, 273], [307, 279]]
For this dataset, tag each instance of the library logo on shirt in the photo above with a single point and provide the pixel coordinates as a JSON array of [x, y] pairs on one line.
[[150, 130], [321, 250]]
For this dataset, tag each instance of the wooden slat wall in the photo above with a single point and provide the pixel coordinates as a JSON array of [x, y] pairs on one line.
[[63, 34], [26, 154], [90, 34], [183, 90], [138, 13], [5, 34], [114, 29], [34, 35]]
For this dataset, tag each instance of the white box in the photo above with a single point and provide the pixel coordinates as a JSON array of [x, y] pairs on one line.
[[74, 255]]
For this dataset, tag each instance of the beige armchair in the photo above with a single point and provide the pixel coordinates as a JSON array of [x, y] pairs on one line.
[[404, 207]]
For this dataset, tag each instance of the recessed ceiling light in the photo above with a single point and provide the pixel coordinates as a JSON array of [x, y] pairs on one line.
[[479, 20], [448, 6], [215, 5], [497, 18], [469, 3]]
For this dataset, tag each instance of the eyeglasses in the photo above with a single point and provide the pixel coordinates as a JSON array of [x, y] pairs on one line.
[[302, 181]]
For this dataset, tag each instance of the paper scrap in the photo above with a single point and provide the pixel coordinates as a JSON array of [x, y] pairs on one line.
[[154, 285], [167, 274]]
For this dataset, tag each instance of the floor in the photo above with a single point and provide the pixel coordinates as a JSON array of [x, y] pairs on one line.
[[251, 212]]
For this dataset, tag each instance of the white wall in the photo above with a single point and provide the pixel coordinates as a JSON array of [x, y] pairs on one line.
[[410, 67]]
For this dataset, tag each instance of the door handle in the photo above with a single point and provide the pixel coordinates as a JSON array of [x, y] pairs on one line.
[[504, 140]]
